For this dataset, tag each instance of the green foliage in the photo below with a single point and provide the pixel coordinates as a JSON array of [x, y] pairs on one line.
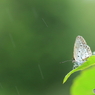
[[90, 61], [84, 84]]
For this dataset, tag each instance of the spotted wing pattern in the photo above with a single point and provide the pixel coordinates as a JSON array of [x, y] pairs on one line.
[[81, 51]]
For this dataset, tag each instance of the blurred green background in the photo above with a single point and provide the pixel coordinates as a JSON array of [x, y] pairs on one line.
[[35, 36]]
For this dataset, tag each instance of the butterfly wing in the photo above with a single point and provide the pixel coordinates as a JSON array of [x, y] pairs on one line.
[[81, 50]]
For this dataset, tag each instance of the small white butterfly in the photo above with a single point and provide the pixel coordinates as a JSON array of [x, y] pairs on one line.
[[81, 51]]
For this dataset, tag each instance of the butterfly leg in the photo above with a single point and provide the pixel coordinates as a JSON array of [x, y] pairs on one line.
[[75, 65]]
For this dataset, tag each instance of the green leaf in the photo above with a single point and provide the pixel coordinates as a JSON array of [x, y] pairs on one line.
[[90, 62], [84, 83]]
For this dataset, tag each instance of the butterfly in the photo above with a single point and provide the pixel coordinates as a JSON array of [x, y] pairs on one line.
[[81, 51]]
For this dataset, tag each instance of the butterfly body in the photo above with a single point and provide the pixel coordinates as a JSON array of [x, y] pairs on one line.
[[81, 51]]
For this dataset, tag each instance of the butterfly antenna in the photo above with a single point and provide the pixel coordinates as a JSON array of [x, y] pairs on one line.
[[65, 61]]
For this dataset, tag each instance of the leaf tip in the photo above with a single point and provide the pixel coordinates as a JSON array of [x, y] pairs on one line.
[[63, 81]]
